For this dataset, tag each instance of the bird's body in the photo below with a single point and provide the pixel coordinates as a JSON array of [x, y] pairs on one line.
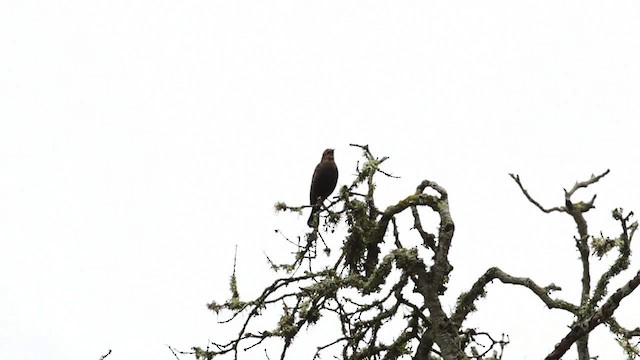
[[323, 182]]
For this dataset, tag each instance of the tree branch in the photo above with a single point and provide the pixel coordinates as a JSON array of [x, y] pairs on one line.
[[583, 184], [465, 304], [516, 178], [576, 211], [586, 326], [622, 262]]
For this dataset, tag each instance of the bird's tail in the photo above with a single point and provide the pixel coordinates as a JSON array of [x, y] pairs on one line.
[[314, 216]]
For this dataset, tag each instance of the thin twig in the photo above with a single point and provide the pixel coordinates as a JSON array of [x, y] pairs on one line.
[[105, 355], [516, 178]]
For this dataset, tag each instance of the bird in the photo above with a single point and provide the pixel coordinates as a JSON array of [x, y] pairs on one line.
[[323, 182]]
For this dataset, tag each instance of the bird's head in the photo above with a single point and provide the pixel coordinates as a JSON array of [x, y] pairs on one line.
[[327, 155]]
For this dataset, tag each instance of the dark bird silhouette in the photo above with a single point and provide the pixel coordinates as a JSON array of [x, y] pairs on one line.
[[323, 182]]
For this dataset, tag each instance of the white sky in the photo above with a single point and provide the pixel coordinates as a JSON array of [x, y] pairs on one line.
[[140, 141]]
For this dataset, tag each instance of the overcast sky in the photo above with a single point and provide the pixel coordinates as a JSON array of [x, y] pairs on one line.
[[140, 141]]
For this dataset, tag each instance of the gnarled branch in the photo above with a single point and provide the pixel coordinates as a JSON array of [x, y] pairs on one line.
[[466, 300]]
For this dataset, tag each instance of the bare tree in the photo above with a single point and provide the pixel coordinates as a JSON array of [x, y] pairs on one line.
[[384, 290]]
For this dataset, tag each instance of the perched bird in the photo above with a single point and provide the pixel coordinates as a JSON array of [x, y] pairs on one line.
[[325, 178]]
